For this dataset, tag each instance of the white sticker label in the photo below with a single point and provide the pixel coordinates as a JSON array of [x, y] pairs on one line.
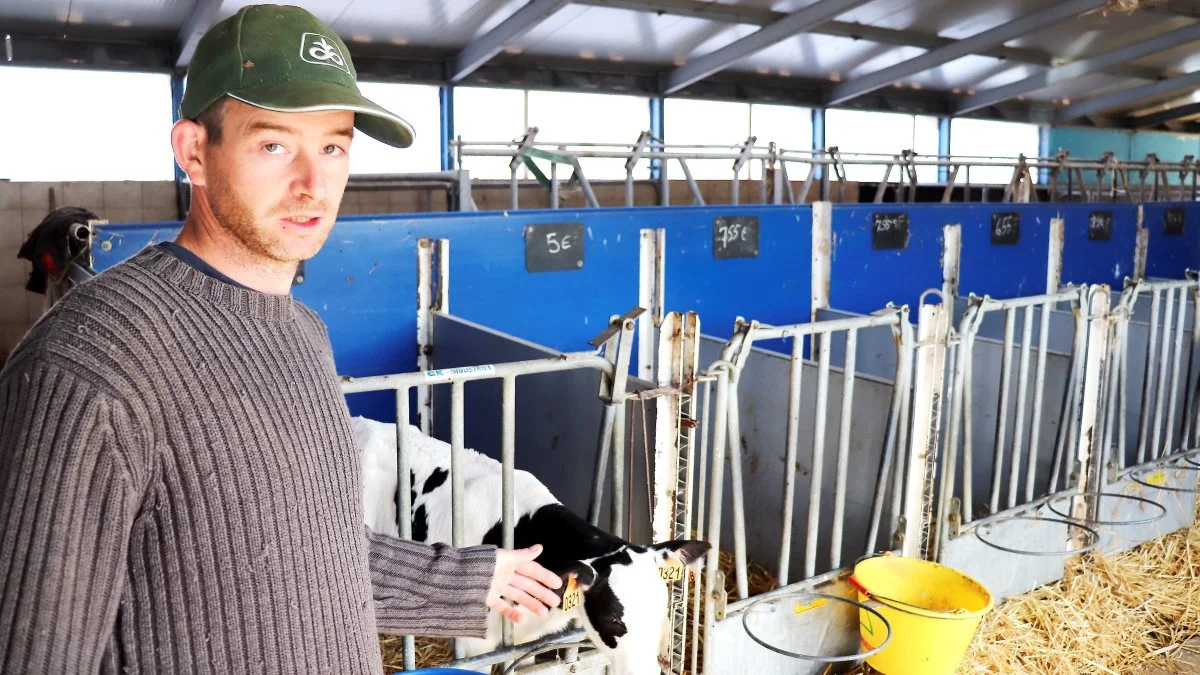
[[466, 370]]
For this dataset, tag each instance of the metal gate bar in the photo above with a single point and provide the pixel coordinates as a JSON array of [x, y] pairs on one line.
[[616, 342]]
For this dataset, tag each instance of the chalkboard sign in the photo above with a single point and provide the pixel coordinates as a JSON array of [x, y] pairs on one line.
[[735, 237], [889, 230], [1100, 226], [1173, 221], [553, 247], [1006, 228]]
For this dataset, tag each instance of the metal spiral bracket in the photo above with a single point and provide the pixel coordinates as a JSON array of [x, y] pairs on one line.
[[1093, 536], [1138, 477], [1162, 510], [809, 598]]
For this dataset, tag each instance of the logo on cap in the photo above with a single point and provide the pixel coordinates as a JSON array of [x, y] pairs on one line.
[[318, 49]]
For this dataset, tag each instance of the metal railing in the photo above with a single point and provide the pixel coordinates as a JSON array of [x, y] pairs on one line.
[[825, 165], [956, 505], [610, 359], [726, 436], [1170, 388]]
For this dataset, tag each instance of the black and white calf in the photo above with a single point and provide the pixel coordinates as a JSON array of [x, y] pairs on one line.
[[624, 606]]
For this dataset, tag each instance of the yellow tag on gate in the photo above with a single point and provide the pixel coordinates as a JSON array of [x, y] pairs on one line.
[[573, 596], [671, 570], [1157, 478]]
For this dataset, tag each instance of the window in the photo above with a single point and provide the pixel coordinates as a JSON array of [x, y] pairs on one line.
[[992, 138], [789, 127], [866, 132], [85, 125], [697, 122], [591, 118], [419, 106], [488, 115]]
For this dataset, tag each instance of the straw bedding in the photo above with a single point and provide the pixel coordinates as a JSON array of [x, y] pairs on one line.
[[1119, 614]]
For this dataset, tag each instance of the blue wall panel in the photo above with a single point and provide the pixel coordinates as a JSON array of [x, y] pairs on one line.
[[1166, 256], [363, 282], [863, 279], [773, 288], [1098, 262]]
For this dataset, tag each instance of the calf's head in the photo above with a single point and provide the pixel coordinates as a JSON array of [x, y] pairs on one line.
[[625, 599]]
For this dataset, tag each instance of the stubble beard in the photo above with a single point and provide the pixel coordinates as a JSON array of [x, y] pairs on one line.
[[236, 216]]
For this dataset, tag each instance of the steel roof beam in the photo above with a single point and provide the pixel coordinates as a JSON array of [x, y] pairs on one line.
[[1128, 96], [203, 16], [1168, 115], [753, 16], [494, 41], [1079, 68], [797, 22], [960, 48], [42, 50]]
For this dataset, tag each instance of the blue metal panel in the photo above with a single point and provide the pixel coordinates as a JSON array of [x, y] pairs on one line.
[[863, 279], [1098, 262], [1004, 271], [1169, 257], [774, 288], [818, 139], [657, 128], [446, 107], [944, 146]]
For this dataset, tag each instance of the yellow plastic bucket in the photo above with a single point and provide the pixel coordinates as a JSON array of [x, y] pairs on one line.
[[934, 612]]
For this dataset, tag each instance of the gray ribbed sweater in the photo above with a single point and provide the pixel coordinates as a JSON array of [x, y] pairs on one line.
[[180, 493]]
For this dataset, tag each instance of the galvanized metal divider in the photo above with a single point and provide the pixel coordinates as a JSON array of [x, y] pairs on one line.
[[613, 348], [1163, 409], [726, 438]]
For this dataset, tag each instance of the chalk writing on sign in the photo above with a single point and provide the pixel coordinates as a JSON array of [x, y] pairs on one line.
[[889, 230], [1173, 221], [1006, 228], [735, 237], [553, 247], [1100, 225]]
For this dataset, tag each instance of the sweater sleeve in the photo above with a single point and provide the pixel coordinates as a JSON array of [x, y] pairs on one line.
[[433, 591], [67, 502]]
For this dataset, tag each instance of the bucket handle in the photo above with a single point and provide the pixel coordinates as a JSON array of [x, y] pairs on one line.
[[890, 603]]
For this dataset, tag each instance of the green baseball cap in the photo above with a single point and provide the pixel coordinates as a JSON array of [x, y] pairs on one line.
[[283, 58]]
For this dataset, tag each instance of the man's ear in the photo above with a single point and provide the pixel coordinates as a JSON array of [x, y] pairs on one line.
[[189, 140], [686, 551]]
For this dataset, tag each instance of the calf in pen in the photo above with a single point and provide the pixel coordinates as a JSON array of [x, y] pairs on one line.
[[462, 497]]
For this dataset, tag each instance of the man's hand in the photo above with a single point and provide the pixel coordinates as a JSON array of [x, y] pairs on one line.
[[521, 580]]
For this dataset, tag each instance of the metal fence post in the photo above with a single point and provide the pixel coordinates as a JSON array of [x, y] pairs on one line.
[[932, 333]]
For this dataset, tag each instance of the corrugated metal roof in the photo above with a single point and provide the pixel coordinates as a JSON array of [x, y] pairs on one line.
[[618, 38]]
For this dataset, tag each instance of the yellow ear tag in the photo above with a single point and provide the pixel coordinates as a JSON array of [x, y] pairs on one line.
[[573, 596], [672, 569], [1157, 478]]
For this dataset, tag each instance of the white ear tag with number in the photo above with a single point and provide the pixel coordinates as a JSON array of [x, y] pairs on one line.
[[672, 569], [573, 596]]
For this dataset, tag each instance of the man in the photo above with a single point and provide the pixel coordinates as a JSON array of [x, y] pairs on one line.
[[179, 480]]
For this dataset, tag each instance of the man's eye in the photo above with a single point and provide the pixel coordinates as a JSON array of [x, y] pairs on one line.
[[273, 148], [333, 150]]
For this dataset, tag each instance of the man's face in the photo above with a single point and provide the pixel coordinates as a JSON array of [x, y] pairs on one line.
[[274, 180]]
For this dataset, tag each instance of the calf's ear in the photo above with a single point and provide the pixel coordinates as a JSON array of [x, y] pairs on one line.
[[686, 551], [583, 573]]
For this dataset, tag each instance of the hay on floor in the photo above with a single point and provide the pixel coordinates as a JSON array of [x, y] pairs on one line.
[[431, 652]]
